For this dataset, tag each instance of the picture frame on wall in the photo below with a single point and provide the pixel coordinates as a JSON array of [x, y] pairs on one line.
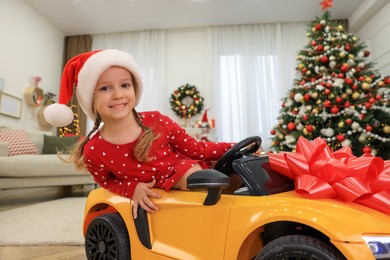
[[10, 105]]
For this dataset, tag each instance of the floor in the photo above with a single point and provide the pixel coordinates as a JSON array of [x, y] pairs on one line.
[[19, 198]]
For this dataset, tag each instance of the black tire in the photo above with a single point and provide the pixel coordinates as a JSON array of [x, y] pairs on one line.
[[297, 247], [107, 238]]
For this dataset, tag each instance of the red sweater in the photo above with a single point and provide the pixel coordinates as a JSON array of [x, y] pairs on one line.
[[115, 168]]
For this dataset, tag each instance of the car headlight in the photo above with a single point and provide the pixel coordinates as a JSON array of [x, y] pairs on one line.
[[379, 246]]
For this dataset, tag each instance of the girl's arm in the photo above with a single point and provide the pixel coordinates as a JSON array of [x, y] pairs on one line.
[[189, 146]]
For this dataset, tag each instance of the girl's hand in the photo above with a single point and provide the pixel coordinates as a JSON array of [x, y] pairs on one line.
[[141, 196]]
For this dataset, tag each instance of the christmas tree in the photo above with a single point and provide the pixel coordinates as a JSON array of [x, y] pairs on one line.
[[336, 95]]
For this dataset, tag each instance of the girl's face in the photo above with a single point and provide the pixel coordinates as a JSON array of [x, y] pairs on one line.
[[114, 96]]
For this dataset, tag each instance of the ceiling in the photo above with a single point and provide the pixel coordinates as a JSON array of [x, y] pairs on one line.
[[77, 17]]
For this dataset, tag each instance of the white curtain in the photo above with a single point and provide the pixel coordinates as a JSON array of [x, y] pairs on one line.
[[148, 49], [253, 68]]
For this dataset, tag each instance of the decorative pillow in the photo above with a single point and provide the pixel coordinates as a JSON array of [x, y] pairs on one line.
[[19, 143], [54, 144]]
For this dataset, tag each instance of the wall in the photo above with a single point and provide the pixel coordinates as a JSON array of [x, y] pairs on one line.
[[375, 32], [188, 61], [29, 46]]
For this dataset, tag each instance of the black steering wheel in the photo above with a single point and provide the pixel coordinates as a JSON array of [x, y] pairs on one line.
[[239, 150]]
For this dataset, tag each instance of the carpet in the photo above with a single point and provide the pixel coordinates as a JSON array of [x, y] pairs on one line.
[[56, 222]]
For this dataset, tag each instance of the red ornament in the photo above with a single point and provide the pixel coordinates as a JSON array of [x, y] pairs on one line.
[[313, 43], [334, 110], [327, 91], [348, 121], [305, 117], [328, 85], [367, 105], [328, 103], [291, 126], [378, 97], [366, 53], [320, 47], [339, 99], [348, 81], [344, 67], [340, 76], [368, 128], [347, 48], [366, 149], [324, 59], [306, 97], [361, 78], [347, 104], [340, 137], [372, 100], [273, 132], [362, 116], [354, 87], [309, 128], [304, 70], [318, 26]]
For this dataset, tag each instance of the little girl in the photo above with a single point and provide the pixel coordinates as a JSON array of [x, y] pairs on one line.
[[127, 152]]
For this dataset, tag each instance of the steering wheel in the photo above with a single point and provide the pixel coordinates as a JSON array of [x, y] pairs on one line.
[[239, 150]]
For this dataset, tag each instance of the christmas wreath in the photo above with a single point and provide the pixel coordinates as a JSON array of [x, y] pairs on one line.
[[186, 101]]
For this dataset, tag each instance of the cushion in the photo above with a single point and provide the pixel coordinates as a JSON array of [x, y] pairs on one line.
[[19, 143], [54, 144]]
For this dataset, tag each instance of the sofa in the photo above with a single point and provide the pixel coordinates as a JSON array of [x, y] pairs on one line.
[[28, 159]]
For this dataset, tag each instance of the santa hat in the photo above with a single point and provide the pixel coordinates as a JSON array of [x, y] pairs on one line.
[[204, 118], [83, 71]]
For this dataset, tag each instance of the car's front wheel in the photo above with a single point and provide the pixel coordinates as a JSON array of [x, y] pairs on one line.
[[107, 238], [297, 247]]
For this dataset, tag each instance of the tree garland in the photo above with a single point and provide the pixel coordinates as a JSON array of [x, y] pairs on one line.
[[186, 101]]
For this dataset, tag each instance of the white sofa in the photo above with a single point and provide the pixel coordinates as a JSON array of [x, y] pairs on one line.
[[37, 170]]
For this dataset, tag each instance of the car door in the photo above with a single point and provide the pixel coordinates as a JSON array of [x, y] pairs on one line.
[[183, 228]]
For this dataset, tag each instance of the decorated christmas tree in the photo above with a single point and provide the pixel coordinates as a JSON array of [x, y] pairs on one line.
[[336, 95]]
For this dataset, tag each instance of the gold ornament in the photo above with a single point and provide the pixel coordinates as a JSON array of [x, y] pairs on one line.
[[386, 129], [356, 95], [368, 80], [340, 28], [341, 124], [365, 86]]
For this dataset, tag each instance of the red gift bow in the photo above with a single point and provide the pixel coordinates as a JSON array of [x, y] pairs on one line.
[[320, 173]]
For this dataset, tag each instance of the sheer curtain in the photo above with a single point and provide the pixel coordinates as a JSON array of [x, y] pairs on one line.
[[253, 67]]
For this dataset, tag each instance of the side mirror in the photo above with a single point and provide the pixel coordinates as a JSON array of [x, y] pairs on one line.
[[211, 180]]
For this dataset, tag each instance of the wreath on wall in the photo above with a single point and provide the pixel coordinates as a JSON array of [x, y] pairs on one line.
[[186, 101]]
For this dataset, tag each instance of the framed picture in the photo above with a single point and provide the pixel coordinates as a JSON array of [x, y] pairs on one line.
[[10, 105]]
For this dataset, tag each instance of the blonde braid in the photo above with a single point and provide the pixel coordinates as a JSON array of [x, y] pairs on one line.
[[144, 143], [76, 153]]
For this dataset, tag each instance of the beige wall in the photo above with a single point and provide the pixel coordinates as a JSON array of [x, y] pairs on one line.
[[29, 46]]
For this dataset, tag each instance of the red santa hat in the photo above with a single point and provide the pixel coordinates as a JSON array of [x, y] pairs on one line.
[[83, 71], [204, 118]]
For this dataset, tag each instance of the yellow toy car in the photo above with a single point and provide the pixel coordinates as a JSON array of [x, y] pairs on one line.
[[265, 219]]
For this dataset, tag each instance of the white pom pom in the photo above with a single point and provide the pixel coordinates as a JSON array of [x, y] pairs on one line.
[[58, 115]]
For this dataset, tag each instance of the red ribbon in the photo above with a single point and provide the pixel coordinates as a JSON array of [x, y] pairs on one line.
[[320, 173]]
